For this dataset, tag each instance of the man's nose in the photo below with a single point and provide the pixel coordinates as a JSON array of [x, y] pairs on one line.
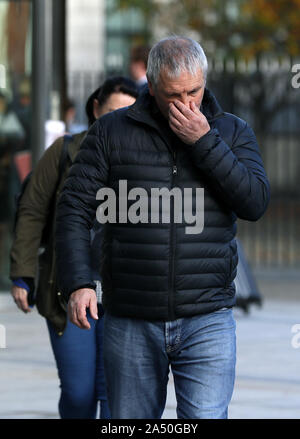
[[185, 99]]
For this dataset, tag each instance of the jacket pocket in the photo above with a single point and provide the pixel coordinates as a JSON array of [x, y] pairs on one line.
[[49, 301]]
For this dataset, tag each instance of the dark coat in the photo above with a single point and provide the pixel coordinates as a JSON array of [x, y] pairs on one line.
[[157, 271]]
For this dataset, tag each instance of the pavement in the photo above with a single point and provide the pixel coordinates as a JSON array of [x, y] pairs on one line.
[[267, 372]]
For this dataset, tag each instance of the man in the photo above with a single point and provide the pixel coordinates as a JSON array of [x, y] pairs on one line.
[[168, 294]]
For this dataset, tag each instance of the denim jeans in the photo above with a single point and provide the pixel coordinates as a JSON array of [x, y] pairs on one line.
[[79, 359], [200, 350]]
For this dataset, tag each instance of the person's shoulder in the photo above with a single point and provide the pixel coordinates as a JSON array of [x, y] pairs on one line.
[[234, 125], [75, 143], [77, 138], [48, 163], [54, 150], [109, 125], [113, 117], [56, 145], [234, 119]]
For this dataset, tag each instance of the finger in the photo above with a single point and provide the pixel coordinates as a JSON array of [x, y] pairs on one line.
[[21, 301], [72, 315], [17, 303], [174, 120], [185, 111], [75, 319], [194, 108], [175, 125], [82, 318], [176, 114], [94, 308]]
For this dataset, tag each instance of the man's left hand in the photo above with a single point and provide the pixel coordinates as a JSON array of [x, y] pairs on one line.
[[189, 124]]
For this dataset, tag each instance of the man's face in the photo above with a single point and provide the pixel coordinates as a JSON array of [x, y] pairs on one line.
[[186, 88]]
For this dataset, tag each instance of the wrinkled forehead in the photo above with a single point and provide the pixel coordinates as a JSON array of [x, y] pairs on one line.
[[169, 79]]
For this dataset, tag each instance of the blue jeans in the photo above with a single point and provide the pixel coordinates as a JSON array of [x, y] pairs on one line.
[[201, 351], [79, 359]]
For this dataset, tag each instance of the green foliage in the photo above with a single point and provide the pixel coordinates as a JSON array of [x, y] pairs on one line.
[[230, 28]]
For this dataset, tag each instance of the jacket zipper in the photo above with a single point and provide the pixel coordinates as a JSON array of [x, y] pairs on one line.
[[171, 312]]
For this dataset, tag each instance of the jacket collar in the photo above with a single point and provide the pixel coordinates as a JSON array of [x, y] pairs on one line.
[[210, 107]]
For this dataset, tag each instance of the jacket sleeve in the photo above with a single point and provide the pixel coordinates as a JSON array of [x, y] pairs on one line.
[[76, 213], [236, 174], [33, 213]]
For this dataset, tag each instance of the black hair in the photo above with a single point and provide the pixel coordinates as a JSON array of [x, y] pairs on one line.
[[140, 53], [115, 84]]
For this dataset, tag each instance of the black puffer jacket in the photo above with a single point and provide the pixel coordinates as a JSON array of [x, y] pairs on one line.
[[157, 271]]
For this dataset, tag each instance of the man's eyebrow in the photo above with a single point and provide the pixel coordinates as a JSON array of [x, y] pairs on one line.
[[172, 93], [195, 89]]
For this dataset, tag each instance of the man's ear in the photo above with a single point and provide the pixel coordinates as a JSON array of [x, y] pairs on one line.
[[151, 89]]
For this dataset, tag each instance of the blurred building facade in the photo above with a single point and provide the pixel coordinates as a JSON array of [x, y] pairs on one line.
[[85, 53], [261, 92], [52, 53], [101, 51], [15, 113]]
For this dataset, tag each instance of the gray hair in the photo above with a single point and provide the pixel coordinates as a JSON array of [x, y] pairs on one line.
[[175, 54]]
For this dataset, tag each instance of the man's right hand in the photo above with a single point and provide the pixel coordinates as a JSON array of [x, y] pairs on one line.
[[78, 302]]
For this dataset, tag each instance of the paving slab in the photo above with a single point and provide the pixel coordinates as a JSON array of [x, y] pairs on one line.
[[267, 371]]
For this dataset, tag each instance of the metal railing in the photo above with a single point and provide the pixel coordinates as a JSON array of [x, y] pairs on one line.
[[260, 93]]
